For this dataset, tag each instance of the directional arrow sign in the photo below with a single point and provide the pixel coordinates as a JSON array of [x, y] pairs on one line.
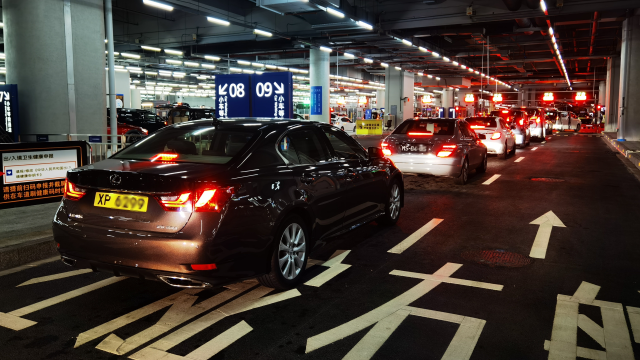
[[222, 89], [546, 222], [279, 89]]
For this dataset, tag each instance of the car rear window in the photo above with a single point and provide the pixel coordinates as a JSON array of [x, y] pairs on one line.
[[433, 126], [482, 122], [206, 144], [516, 113]]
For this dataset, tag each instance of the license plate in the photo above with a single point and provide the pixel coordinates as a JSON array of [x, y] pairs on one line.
[[121, 201], [413, 148]]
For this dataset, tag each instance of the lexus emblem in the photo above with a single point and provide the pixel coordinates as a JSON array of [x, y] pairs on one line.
[[115, 179]]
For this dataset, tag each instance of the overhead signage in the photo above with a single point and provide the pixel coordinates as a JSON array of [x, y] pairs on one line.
[[469, 98], [497, 98], [581, 95], [362, 100], [548, 96], [233, 96], [272, 95], [9, 104], [426, 99], [35, 172], [316, 100]]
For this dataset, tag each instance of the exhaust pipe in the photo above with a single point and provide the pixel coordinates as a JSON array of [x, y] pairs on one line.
[[68, 261], [183, 282]]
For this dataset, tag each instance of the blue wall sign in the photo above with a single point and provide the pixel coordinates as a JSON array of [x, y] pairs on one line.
[[233, 96], [95, 139], [367, 114], [316, 100], [42, 138], [9, 115], [272, 95]]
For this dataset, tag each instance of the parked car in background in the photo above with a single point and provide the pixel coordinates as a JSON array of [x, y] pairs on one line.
[[132, 133], [538, 126], [345, 124], [141, 118], [518, 121], [499, 139], [442, 147], [201, 113], [179, 206]]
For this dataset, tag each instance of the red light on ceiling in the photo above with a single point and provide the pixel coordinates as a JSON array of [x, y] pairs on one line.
[[469, 98], [581, 96], [548, 97], [497, 98]]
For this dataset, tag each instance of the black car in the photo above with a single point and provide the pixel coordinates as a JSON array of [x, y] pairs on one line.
[[142, 118], [210, 202]]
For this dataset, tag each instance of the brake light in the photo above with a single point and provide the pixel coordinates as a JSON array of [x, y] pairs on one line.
[[505, 111], [428, 133], [179, 202], [538, 120], [385, 149], [72, 191], [164, 157], [201, 267], [496, 136], [521, 122], [446, 150], [212, 200], [477, 127]]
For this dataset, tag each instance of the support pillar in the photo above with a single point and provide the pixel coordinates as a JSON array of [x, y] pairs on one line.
[[55, 54], [319, 76], [399, 94], [613, 87], [629, 95], [380, 97], [447, 101]]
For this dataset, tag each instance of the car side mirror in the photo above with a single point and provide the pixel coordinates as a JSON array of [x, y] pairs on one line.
[[482, 137], [375, 153]]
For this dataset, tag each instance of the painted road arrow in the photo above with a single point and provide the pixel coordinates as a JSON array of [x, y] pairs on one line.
[[546, 222]]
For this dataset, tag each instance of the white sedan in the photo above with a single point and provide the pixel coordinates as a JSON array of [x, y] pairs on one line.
[[498, 137], [345, 124]]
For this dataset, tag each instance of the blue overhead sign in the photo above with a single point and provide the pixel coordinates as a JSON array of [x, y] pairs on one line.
[[272, 95], [9, 119], [233, 96], [316, 100]]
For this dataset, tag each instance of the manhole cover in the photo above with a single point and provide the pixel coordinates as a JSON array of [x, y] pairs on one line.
[[546, 179], [496, 258]]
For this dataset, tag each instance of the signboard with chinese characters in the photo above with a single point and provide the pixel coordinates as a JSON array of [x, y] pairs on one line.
[[233, 96], [34, 173], [581, 96], [9, 116], [316, 100], [272, 95]]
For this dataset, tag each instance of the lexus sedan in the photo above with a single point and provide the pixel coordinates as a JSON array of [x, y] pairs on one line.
[[210, 202], [499, 138], [443, 147]]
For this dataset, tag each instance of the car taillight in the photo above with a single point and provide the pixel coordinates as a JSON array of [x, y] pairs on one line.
[[538, 120], [446, 150], [521, 122], [201, 267], [72, 191], [178, 202], [385, 149], [415, 133], [496, 136], [164, 157], [213, 199]]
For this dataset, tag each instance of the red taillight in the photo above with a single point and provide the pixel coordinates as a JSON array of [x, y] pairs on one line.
[[538, 120], [73, 192], [496, 136], [164, 157], [201, 267], [212, 200], [478, 126], [165, 123], [446, 150], [521, 122], [420, 134], [178, 202], [385, 149], [505, 111]]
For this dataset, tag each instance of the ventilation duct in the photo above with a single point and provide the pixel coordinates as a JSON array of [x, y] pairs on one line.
[[524, 23], [287, 6]]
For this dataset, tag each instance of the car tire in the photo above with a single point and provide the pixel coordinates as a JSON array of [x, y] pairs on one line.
[[286, 271], [394, 204], [505, 153], [513, 151], [483, 167], [464, 173], [342, 128]]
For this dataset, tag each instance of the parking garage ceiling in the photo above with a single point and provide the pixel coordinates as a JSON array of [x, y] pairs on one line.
[[506, 39]]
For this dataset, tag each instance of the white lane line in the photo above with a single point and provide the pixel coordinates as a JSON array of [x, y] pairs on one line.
[[583, 352], [447, 279], [592, 329], [55, 276], [544, 142], [541, 242], [534, 149], [616, 334], [29, 265], [634, 319], [381, 331], [413, 238], [335, 267], [519, 159], [465, 339], [564, 334], [586, 293], [491, 179]]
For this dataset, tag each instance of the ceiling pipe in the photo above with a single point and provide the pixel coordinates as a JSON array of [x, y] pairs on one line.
[[524, 24]]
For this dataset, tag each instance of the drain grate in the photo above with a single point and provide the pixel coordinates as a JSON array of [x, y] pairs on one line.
[[497, 258], [546, 179]]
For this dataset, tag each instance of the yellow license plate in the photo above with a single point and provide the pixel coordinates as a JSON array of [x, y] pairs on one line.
[[121, 201]]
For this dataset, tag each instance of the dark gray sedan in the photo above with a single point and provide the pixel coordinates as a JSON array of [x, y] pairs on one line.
[[442, 147]]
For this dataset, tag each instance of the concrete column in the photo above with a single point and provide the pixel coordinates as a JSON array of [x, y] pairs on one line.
[[613, 87], [399, 86], [447, 101], [55, 54], [380, 97], [319, 75], [602, 92], [136, 100], [629, 93], [521, 97]]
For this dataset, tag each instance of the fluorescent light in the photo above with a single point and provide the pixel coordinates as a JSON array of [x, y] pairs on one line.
[[462, 66], [422, 49], [445, 58], [132, 56], [455, 63], [334, 12], [235, 69], [218, 21], [136, 71], [420, 74], [191, 63], [133, 68], [151, 73], [398, 68], [406, 42], [283, 68], [543, 6], [435, 54], [437, 78], [2, 25], [212, 58], [272, 67], [262, 32], [208, 66], [150, 48], [430, 76], [173, 52], [550, 30], [368, 61], [363, 24], [158, 5], [384, 64], [259, 72], [173, 62], [257, 64], [305, 72], [242, 62], [324, 48], [246, 71], [349, 55], [122, 70]]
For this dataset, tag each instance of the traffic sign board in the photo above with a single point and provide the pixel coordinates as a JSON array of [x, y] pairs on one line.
[[272, 95], [232, 96]]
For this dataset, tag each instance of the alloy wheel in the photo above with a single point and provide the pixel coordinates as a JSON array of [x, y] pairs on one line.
[[394, 201], [292, 251]]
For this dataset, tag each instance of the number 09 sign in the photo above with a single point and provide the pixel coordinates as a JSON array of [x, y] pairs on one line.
[[267, 95]]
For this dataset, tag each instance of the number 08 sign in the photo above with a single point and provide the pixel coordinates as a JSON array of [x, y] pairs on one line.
[[233, 96]]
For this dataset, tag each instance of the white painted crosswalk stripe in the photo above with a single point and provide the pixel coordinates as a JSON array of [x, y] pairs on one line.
[[335, 266], [534, 149], [519, 159], [413, 238], [55, 276], [491, 179]]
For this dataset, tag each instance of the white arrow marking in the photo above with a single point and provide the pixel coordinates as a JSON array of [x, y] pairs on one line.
[[546, 222], [279, 89], [222, 89]]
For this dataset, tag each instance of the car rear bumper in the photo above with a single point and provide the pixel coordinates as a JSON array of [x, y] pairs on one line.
[[536, 132], [494, 146], [428, 164]]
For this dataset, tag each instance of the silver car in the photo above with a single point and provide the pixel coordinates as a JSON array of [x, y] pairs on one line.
[[442, 147], [499, 138]]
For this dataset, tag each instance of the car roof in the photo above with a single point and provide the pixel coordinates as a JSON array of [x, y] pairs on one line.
[[241, 122]]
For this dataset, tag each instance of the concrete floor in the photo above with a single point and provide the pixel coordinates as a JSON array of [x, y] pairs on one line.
[[469, 310], [26, 223]]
